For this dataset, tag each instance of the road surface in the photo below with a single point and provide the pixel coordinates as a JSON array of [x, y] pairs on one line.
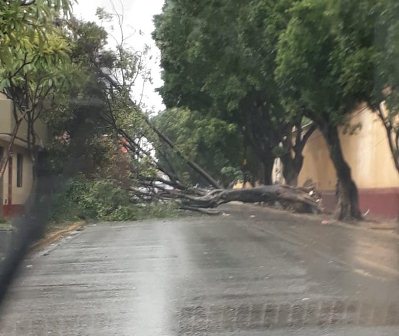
[[251, 271]]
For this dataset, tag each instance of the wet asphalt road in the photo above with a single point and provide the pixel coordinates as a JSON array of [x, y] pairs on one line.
[[253, 272]]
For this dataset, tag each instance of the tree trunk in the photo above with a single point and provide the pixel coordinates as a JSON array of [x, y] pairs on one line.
[[392, 133], [295, 198], [268, 171], [348, 198], [291, 169], [293, 158]]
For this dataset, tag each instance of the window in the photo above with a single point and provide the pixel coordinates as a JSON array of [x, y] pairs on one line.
[[20, 161]]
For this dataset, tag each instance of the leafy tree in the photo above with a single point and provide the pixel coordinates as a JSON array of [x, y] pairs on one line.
[[28, 30], [218, 57], [199, 57], [211, 142], [386, 71], [321, 71], [23, 22], [78, 129], [33, 61], [333, 56], [117, 72]]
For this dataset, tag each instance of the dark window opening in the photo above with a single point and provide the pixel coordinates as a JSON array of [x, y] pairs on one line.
[[20, 160]]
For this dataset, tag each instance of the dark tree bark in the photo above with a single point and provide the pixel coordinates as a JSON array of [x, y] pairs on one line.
[[262, 132], [291, 169], [392, 133], [293, 158], [348, 198], [268, 170], [295, 198]]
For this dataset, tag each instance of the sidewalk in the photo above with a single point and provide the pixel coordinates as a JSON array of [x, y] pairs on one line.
[[380, 225], [387, 227], [5, 238]]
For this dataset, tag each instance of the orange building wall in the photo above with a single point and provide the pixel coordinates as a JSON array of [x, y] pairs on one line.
[[368, 155]]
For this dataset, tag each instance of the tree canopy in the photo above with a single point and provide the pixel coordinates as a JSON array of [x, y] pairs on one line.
[[268, 65], [211, 142], [218, 58]]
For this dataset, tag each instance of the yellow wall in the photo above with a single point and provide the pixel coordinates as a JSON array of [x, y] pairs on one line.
[[19, 194], [7, 125], [366, 151], [6, 122]]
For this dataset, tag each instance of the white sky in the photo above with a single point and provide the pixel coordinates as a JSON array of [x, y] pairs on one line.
[[138, 16]]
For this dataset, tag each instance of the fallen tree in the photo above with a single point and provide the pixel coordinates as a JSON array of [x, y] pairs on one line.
[[288, 197], [297, 199], [166, 185], [153, 180]]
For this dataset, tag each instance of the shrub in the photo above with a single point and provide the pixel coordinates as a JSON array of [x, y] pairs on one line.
[[102, 199]]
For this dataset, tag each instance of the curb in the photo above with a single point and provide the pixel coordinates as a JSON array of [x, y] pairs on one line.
[[362, 226], [56, 236]]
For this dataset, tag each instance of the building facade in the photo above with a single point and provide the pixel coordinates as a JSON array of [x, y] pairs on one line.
[[365, 145], [16, 182]]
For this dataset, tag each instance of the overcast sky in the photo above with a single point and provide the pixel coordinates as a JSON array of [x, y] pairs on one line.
[[139, 17]]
